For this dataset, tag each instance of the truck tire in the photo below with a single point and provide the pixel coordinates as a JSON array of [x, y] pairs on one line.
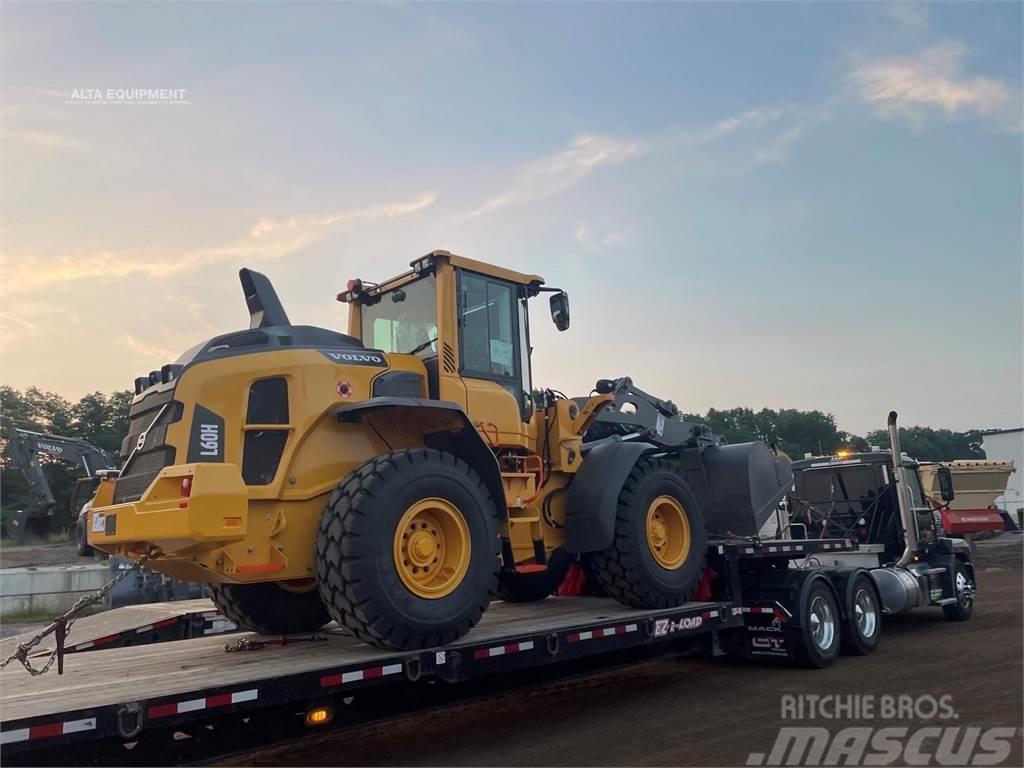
[[407, 550], [963, 590], [820, 635], [515, 587], [862, 628], [271, 607], [657, 555]]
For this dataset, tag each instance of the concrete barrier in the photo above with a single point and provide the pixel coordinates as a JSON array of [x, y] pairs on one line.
[[49, 589]]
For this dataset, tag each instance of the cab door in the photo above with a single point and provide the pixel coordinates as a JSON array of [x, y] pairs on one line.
[[494, 356]]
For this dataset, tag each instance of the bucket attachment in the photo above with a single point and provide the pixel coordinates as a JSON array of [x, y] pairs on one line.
[[747, 482]]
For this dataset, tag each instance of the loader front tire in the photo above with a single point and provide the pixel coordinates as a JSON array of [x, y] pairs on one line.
[[658, 552], [407, 550], [272, 608]]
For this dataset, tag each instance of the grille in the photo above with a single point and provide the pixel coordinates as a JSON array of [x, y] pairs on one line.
[[144, 468], [147, 463], [449, 358]]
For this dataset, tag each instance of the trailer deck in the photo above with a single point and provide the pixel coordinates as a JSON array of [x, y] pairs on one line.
[[108, 697]]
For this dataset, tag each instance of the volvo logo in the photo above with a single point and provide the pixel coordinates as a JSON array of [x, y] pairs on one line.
[[346, 357]]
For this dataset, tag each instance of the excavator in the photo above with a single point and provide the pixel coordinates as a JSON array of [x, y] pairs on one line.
[[23, 449], [398, 477]]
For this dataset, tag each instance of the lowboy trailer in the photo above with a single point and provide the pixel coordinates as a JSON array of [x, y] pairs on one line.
[[133, 704]]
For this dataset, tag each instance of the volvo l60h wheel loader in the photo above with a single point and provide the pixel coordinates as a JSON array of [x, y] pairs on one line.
[[397, 477]]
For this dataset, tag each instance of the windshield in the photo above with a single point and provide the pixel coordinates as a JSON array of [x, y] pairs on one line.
[[404, 320]]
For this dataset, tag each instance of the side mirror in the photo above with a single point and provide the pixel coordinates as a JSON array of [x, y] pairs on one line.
[[560, 310], [946, 491]]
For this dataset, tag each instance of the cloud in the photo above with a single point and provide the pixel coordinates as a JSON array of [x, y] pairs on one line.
[[142, 350], [267, 240], [907, 87], [748, 119], [557, 172], [547, 176], [49, 140], [588, 239], [910, 13]]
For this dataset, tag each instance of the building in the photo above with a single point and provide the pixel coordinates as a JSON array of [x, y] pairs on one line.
[[1008, 444]]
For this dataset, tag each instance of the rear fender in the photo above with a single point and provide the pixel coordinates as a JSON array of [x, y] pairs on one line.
[[410, 422], [594, 495]]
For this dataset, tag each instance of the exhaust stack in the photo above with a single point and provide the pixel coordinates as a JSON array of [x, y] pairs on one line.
[[903, 494], [265, 308]]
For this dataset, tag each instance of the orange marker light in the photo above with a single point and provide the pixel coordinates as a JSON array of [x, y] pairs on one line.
[[319, 715]]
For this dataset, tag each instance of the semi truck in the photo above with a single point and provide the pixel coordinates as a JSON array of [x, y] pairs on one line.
[[389, 509]]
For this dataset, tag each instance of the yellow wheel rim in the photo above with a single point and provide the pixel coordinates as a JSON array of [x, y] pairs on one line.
[[432, 548], [298, 586], [668, 532]]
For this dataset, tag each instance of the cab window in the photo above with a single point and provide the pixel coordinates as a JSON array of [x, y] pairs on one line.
[[488, 328], [403, 320]]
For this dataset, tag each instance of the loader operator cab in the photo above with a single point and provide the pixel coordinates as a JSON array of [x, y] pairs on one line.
[[468, 322]]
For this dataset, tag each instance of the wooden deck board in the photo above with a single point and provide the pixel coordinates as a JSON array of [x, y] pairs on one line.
[[141, 672]]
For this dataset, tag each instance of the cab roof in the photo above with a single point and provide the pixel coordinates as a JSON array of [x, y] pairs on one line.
[[866, 457]]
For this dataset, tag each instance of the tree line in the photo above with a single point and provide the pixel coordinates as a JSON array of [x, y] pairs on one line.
[[103, 420], [815, 432]]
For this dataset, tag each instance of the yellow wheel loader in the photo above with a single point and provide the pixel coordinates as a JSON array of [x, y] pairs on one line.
[[396, 478]]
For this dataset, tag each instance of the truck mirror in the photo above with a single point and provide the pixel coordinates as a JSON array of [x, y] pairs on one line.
[[560, 310], [946, 491]]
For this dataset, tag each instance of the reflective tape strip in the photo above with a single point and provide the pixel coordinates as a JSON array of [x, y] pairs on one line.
[[502, 650], [756, 609], [208, 702], [10, 737], [370, 673], [47, 730], [593, 634], [157, 625]]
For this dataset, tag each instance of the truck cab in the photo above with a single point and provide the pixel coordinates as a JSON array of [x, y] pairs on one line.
[[854, 495]]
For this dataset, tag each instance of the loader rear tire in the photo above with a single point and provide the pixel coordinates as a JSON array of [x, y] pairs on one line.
[[658, 552], [373, 561], [271, 608]]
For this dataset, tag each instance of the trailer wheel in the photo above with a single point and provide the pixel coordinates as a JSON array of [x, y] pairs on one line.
[[862, 628], [515, 587], [963, 590], [657, 554], [272, 607], [820, 624], [407, 550]]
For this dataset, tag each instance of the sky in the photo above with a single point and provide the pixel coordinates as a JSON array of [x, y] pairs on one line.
[[785, 205]]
